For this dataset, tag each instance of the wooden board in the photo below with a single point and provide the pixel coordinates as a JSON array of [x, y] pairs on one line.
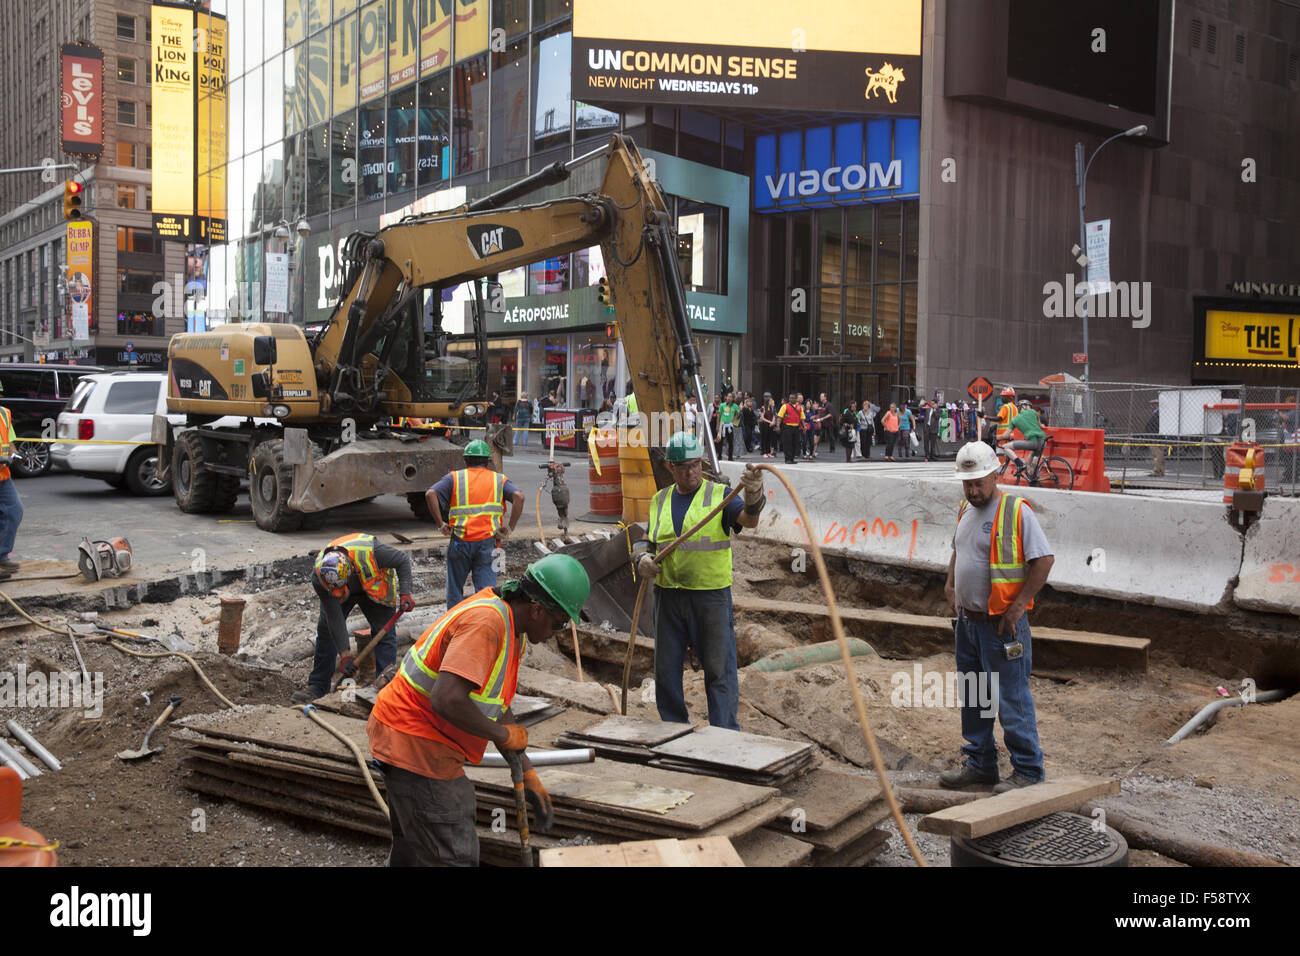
[[702, 851], [285, 728], [828, 797], [735, 749], [843, 834], [991, 814], [634, 731], [768, 848], [212, 786], [857, 853]]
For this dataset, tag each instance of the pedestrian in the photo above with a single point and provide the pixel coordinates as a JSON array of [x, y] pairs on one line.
[[849, 431], [1000, 561], [749, 424], [808, 428], [790, 416], [473, 501], [496, 410], [355, 570], [727, 419], [890, 423], [693, 585], [827, 422], [451, 696], [11, 506], [931, 425], [906, 424], [867, 426], [768, 428], [523, 418]]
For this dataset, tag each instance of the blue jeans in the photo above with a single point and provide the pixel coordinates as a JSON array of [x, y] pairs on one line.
[[464, 557], [705, 620], [11, 516], [979, 650], [521, 437], [377, 615]]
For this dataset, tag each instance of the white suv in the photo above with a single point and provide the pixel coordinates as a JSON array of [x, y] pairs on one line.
[[115, 407]]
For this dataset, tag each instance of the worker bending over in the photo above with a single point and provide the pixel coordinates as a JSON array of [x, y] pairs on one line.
[[355, 570], [469, 505], [451, 696], [693, 586]]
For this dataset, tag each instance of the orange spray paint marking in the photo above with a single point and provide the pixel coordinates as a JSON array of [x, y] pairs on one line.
[[912, 546]]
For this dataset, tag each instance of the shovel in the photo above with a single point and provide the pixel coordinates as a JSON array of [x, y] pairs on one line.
[[369, 648], [144, 750]]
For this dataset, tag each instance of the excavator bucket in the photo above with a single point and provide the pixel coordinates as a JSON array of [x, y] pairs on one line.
[[608, 564]]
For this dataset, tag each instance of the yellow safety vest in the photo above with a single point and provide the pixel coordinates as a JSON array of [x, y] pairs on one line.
[[703, 561], [1006, 553], [380, 586], [7, 436]]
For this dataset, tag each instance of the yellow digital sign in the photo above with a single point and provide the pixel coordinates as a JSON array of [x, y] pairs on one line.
[[1252, 336], [173, 67]]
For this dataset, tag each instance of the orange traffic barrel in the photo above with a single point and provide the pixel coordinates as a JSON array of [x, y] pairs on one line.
[[606, 486], [19, 846], [1242, 456]]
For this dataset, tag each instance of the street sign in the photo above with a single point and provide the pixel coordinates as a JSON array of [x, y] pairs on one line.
[[980, 388], [1080, 358]]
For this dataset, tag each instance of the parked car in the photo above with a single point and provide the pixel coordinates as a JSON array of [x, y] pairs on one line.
[[115, 406], [35, 394]]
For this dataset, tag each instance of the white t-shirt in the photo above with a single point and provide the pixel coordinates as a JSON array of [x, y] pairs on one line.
[[971, 578]]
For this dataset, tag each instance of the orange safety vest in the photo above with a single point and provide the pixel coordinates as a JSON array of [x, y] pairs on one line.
[[476, 503], [1006, 553], [7, 436], [403, 703], [379, 584], [790, 414], [1005, 414]]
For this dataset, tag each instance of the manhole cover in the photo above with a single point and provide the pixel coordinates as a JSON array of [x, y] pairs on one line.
[[1061, 839]]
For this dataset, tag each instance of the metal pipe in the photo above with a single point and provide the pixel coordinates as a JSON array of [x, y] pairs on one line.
[[22, 774], [587, 157], [1263, 697], [15, 759], [33, 745], [545, 758]]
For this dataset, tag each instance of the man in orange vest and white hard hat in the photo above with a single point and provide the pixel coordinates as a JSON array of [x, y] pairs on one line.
[[1000, 561], [469, 505], [451, 696], [355, 570], [11, 506]]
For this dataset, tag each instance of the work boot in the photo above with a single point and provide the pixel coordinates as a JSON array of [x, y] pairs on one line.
[[1015, 782], [964, 777], [304, 696], [7, 564]]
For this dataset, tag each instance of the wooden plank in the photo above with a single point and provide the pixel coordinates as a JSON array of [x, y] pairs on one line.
[[696, 852], [991, 814], [283, 728], [857, 853], [634, 731], [842, 834], [768, 848], [734, 749], [828, 797], [247, 795]]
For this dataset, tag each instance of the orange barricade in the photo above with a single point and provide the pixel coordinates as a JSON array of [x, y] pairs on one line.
[[607, 487], [1085, 451], [28, 850], [1235, 461]]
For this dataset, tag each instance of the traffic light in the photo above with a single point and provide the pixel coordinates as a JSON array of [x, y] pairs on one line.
[[611, 330], [604, 291], [72, 199]]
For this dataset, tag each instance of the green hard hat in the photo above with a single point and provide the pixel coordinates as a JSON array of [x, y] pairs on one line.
[[564, 580], [684, 447], [478, 449]]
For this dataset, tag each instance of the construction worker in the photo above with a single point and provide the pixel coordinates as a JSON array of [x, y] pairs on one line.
[[355, 570], [693, 587], [473, 501], [1000, 561], [451, 696], [11, 506]]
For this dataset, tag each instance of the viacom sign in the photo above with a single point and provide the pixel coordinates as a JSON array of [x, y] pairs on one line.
[[857, 162]]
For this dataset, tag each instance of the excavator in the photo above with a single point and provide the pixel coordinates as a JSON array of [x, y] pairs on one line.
[[314, 411]]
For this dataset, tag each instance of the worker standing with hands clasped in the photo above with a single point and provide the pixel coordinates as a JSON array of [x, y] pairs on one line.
[[473, 503], [1000, 561], [355, 570], [693, 587], [451, 696]]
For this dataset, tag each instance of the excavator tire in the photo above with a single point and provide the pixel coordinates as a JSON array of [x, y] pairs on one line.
[[419, 506], [193, 486], [226, 494], [269, 485]]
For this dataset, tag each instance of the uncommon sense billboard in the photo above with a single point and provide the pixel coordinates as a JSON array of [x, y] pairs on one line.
[[861, 56]]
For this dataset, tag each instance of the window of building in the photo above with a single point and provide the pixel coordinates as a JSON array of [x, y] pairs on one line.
[[148, 198], [318, 78], [470, 127], [148, 114], [343, 68], [148, 157], [548, 368], [343, 160], [126, 27], [125, 113], [135, 324], [125, 196], [510, 109], [546, 11], [130, 239], [403, 120], [701, 246], [549, 275], [125, 154], [511, 16], [295, 178], [551, 53], [318, 170], [435, 128], [699, 137], [370, 149], [125, 69], [137, 281]]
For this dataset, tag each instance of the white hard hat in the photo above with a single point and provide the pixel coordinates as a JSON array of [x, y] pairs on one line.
[[976, 460]]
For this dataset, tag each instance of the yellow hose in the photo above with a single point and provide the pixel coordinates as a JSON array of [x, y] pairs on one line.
[[310, 711], [185, 657]]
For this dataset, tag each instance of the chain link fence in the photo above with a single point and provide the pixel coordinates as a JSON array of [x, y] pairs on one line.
[[1169, 436]]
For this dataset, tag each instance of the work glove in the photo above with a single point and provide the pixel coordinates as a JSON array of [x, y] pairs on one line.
[[502, 533], [516, 737], [752, 481], [405, 603], [646, 567], [539, 801], [6, 460], [445, 528], [348, 665]]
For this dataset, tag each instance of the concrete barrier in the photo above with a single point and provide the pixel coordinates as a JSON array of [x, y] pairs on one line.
[[1270, 567], [1167, 553]]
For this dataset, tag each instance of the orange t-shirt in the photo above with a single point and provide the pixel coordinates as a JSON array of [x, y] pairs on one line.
[[475, 643]]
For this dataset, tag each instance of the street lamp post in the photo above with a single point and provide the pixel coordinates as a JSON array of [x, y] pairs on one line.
[[1081, 180]]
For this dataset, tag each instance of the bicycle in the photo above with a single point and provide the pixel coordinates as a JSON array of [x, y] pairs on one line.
[[1048, 471]]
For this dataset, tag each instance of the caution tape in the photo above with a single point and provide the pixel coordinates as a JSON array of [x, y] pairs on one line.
[[1194, 444], [82, 441], [9, 843]]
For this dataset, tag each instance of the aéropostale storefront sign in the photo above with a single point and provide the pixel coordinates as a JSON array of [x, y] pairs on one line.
[[581, 308]]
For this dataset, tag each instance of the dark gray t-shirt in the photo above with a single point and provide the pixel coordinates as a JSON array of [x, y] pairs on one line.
[[971, 578]]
